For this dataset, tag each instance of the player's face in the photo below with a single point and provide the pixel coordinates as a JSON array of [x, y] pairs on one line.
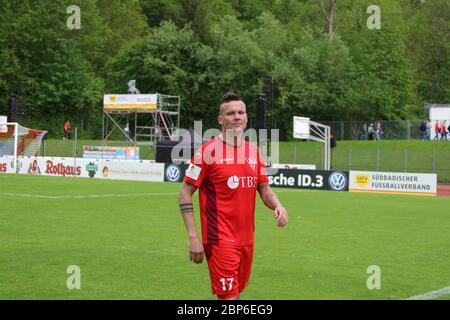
[[233, 116]]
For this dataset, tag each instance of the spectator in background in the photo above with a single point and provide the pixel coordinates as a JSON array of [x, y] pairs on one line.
[[332, 141], [429, 126], [448, 128], [66, 130], [378, 131], [332, 146], [423, 130], [126, 130], [363, 132], [436, 130], [444, 130], [370, 132]]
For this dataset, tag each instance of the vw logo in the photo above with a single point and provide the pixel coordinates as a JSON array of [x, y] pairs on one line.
[[173, 173], [337, 181]]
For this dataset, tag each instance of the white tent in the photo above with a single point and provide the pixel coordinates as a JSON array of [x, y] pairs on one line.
[[438, 112]]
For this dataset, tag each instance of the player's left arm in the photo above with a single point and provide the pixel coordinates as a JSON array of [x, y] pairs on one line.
[[271, 201]]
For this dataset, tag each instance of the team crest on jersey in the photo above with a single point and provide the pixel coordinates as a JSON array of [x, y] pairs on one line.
[[252, 162], [193, 171]]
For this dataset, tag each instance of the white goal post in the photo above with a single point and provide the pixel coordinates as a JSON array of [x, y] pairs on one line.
[[17, 140], [306, 129], [9, 140]]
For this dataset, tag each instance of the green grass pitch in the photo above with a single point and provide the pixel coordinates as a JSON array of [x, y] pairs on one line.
[[129, 240]]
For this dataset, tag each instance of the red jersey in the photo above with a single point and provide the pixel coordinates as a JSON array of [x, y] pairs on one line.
[[228, 177]]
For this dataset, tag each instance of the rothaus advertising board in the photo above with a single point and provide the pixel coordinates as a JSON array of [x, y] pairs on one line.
[[7, 164], [141, 170]]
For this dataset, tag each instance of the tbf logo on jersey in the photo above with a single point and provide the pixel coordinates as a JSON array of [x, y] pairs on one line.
[[234, 182]]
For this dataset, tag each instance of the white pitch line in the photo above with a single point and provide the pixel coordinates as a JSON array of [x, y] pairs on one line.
[[121, 195], [432, 294], [276, 190], [104, 195], [86, 196]]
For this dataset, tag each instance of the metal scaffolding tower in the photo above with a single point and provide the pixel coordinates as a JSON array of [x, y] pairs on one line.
[[150, 124]]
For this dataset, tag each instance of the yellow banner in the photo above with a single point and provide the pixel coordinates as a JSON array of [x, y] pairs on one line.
[[129, 106], [130, 101]]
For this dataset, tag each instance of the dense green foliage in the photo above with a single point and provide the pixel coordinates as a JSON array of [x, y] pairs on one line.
[[199, 49]]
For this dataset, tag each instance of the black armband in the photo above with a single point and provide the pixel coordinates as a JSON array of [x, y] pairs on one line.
[[186, 208]]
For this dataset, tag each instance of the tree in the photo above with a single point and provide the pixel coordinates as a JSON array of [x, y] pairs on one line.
[[40, 51], [328, 8], [238, 61], [65, 87], [123, 21], [199, 49], [429, 49], [170, 61], [157, 11], [384, 74]]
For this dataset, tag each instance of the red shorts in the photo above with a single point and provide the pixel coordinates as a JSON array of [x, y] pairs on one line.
[[229, 268]]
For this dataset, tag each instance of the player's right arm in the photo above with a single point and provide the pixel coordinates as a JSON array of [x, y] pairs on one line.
[[196, 251]]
